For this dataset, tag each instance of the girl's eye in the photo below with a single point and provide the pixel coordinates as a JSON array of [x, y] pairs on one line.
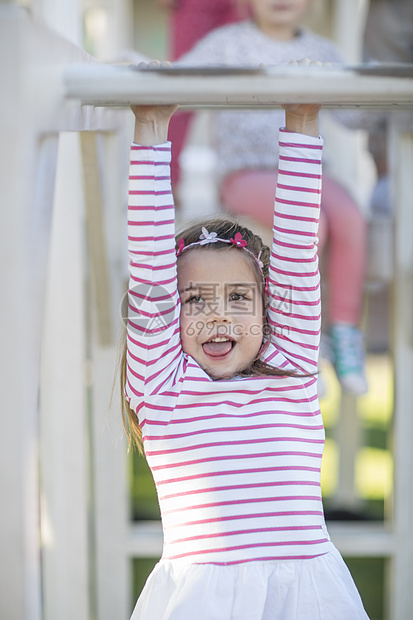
[[238, 297], [194, 299]]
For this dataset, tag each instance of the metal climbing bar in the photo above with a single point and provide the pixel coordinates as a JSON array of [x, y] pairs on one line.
[[362, 85]]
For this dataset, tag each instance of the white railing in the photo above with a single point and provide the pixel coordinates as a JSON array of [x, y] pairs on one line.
[[374, 87]]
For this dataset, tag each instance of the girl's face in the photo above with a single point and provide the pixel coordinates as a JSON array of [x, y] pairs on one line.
[[222, 310], [269, 14]]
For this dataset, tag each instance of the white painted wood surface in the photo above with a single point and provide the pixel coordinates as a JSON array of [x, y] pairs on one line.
[[64, 457], [114, 86], [110, 499], [32, 113], [401, 601], [110, 491]]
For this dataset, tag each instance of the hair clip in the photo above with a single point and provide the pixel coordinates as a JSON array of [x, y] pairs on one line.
[[207, 237], [238, 240], [180, 247]]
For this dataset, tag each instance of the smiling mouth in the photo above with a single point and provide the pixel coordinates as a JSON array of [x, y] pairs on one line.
[[218, 346]]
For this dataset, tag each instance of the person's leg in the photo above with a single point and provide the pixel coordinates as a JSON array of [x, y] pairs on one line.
[[189, 23], [345, 274], [250, 193], [347, 252]]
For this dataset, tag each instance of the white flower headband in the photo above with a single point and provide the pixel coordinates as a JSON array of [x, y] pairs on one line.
[[212, 237]]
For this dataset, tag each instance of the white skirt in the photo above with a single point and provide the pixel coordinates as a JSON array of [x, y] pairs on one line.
[[318, 589]]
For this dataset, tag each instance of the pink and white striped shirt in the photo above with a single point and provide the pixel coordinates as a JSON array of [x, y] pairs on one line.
[[236, 462]]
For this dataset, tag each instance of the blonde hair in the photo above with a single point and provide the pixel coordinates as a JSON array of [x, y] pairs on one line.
[[129, 418]]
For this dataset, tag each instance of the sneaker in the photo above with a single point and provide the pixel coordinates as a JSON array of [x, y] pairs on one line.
[[348, 350]]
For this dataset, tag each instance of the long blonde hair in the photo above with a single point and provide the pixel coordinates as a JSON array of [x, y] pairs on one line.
[[129, 418]]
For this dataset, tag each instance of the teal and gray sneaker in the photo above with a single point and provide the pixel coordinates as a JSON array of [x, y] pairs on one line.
[[349, 358]]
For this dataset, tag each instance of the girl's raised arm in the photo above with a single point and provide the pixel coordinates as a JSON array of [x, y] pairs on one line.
[[153, 339], [294, 305]]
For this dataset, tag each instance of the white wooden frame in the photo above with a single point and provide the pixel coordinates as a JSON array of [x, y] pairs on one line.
[[45, 460], [45, 96], [111, 86]]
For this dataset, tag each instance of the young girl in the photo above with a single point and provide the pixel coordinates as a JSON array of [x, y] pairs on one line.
[[222, 347], [246, 157]]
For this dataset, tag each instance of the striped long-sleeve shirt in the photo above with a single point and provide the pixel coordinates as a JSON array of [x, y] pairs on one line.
[[236, 462]]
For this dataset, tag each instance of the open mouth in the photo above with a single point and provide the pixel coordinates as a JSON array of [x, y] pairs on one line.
[[218, 346]]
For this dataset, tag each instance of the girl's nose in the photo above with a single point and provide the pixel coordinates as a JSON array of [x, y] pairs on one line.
[[218, 314], [218, 319]]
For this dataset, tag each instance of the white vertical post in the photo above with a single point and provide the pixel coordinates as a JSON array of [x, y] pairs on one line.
[[25, 211], [64, 459], [349, 17], [26, 190], [349, 163], [109, 28], [120, 35], [348, 436], [110, 491], [63, 16], [402, 166], [347, 32], [106, 211]]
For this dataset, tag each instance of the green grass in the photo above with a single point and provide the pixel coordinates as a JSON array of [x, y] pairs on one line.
[[141, 568], [143, 498], [369, 576]]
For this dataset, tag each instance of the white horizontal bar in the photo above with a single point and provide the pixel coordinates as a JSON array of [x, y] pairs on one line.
[[145, 539], [366, 539], [108, 85]]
